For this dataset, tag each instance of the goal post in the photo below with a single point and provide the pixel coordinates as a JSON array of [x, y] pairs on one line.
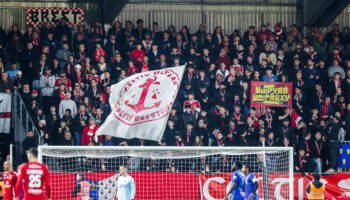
[[168, 172]]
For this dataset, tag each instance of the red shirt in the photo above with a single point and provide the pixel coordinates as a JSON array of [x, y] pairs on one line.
[[96, 77], [87, 135], [64, 81], [137, 54], [36, 176], [10, 180], [196, 107], [131, 70], [98, 53]]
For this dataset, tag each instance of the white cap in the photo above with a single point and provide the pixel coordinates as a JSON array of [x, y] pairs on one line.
[[77, 66], [42, 121], [19, 72]]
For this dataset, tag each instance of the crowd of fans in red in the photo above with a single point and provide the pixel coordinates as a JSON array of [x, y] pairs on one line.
[[65, 79]]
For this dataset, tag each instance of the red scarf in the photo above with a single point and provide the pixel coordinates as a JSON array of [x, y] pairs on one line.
[[237, 117], [318, 148], [232, 130], [245, 141], [188, 136], [179, 46], [269, 122], [182, 143], [324, 110], [62, 94], [307, 147], [79, 77], [220, 143], [222, 96], [272, 46]]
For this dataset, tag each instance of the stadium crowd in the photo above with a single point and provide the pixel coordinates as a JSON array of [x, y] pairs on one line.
[[65, 77]]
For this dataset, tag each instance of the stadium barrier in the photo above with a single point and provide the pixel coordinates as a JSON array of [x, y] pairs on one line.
[[208, 187]]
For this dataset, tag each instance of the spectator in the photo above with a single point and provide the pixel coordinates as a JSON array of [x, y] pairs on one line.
[[12, 73], [97, 32], [188, 116], [89, 134], [6, 84], [220, 140], [29, 142], [335, 135], [137, 55], [223, 93], [62, 29], [80, 122], [223, 58], [269, 77], [63, 54], [334, 69], [139, 32], [67, 104], [319, 153], [108, 141], [67, 141], [47, 84], [302, 162]]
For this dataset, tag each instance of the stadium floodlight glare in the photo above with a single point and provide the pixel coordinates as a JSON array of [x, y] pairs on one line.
[[168, 172]]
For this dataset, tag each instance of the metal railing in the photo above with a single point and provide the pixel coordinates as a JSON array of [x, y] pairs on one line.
[[22, 123]]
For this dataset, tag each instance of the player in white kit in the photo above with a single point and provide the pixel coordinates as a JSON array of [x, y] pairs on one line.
[[126, 185]]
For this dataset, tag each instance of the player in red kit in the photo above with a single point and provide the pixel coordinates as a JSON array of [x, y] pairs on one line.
[[35, 176], [10, 179]]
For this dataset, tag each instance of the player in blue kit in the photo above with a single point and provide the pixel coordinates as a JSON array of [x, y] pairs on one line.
[[236, 191], [251, 184]]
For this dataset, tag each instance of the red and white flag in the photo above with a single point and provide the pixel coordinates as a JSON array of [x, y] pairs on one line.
[[295, 119], [5, 113], [141, 104]]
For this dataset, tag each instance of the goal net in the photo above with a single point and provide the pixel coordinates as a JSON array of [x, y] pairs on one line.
[[168, 172]]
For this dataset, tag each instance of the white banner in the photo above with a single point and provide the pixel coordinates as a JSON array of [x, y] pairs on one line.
[[37, 16], [5, 113], [141, 104]]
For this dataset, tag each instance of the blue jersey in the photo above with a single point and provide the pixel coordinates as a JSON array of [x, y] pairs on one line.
[[238, 193], [249, 186]]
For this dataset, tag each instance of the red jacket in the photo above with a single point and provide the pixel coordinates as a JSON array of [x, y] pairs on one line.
[[263, 37], [225, 60], [64, 81], [131, 70], [89, 132], [137, 54], [98, 53]]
